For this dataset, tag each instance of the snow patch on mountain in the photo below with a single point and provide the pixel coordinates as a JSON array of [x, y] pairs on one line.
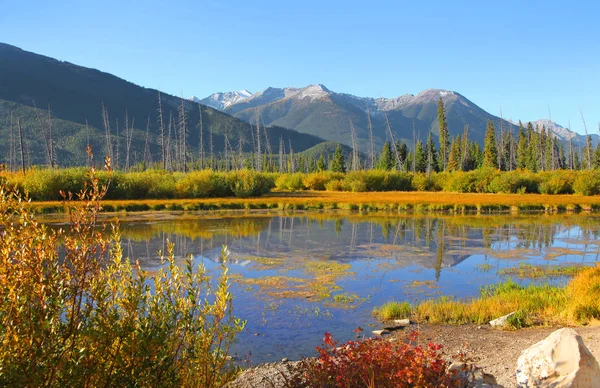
[[221, 101]]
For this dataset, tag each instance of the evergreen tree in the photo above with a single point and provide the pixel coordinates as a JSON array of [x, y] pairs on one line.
[[338, 164], [402, 155], [490, 150], [532, 149], [522, 148], [596, 157], [454, 157], [444, 136], [431, 153], [386, 159], [420, 157], [321, 166]]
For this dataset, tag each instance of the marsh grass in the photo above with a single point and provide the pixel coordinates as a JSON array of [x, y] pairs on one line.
[[576, 304], [528, 271]]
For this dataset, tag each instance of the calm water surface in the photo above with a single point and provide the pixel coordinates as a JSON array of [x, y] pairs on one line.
[[296, 277]]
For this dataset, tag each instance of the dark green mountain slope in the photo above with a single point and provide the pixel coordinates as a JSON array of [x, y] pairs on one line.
[[76, 95]]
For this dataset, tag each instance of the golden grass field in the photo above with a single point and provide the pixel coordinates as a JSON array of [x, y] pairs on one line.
[[372, 201]]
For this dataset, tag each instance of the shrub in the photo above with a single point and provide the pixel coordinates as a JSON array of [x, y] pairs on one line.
[[376, 363], [318, 180], [512, 182], [87, 317], [336, 185], [290, 182], [249, 183], [420, 182], [587, 183], [557, 182], [203, 184]]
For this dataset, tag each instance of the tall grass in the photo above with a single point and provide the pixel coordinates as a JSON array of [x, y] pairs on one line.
[[576, 304], [45, 185]]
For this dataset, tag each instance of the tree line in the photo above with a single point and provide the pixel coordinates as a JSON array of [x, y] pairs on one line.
[[535, 149]]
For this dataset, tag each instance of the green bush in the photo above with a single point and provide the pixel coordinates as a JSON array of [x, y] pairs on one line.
[[513, 182], [557, 182], [318, 180], [89, 317], [290, 182], [336, 185], [203, 184], [587, 183], [249, 183]]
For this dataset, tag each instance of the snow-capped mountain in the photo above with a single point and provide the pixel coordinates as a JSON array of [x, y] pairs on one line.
[[222, 101], [316, 110]]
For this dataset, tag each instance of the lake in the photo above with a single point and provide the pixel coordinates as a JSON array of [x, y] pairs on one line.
[[295, 277]]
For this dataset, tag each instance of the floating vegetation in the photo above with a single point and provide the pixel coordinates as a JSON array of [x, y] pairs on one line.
[[528, 271], [486, 267], [265, 262], [345, 300], [426, 283]]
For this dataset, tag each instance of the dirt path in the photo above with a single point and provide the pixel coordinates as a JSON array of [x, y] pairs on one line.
[[495, 351]]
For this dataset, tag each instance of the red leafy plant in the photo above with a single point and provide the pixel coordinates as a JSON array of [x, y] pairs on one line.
[[376, 363]]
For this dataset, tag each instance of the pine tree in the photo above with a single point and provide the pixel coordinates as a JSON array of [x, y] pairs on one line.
[[454, 157], [338, 164], [386, 159], [431, 153], [444, 136], [490, 150], [522, 148], [420, 157], [532, 149], [321, 163], [403, 155]]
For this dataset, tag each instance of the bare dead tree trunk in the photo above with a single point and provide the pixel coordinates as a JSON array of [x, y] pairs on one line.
[[201, 146], [355, 161], [241, 152], [21, 145], [589, 152], [162, 132], [391, 134], [371, 142], [44, 132], [292, 161], [126, 140], [107, 131], [168, 144], [52, 155], [267, 144], [183, 135], [258, 150], [11, 150], [147, 153], [281, 153], [211, 148], [117, 160], [414, 166]]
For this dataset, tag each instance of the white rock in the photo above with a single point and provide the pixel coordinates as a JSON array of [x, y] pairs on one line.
[[560, 360], [402, 322], [381, 332], [501, 322]]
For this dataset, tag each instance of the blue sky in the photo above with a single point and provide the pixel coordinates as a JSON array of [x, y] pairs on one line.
[[526, 59]]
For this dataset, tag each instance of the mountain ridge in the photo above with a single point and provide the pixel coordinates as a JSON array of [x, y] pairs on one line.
[[312, 109]]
